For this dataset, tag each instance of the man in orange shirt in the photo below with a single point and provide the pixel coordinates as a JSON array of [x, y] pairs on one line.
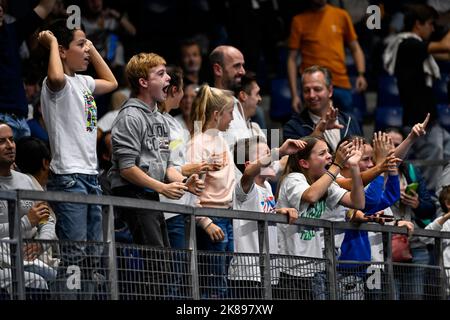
[[319, 35]]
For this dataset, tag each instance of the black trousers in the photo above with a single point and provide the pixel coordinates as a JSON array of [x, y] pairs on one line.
[[150, 276]]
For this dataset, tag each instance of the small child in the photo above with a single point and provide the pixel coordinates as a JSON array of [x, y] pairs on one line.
[[254, 193], [442, 224], [70, 116]]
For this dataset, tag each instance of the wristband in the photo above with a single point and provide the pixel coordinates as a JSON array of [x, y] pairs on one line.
[[361, 73], [207, 226], [332, 176], [337, 165]]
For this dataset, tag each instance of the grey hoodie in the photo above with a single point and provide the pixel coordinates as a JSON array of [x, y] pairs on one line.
[[140, 137]]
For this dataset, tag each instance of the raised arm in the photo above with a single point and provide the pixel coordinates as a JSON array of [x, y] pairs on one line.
[[290, 146], [417, 131], [106, 82], [367, 177], [442, 46], [328, 122], [44, 8], [356, 198], [55, 72], [320, 186]]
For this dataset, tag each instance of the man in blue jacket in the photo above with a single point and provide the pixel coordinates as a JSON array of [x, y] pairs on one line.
[[319, 117]]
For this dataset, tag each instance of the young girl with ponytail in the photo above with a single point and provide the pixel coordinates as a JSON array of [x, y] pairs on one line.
[[212, 112]]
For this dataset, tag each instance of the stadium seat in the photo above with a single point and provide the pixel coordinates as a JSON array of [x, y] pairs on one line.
[[443, 114], [388, 116], [440, 88], [387, 91], [280, 105]]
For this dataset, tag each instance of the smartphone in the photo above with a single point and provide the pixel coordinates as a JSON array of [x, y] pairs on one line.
[[387, 218], [412, 186]]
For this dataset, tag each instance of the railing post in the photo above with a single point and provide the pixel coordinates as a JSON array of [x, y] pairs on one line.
[[112, 261], [439, 256], [191, 240], [331, 260], [15, 234], [387, 248], [264, 258]]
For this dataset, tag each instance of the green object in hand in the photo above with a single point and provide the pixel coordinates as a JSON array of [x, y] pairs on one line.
[[412, 186]]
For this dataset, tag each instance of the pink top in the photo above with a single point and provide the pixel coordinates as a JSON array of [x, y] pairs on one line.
[[219, 185]]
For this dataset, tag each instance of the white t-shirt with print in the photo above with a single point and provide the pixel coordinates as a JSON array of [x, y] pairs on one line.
[[179, 139], [246, 235], [297, 240], [70, 116]]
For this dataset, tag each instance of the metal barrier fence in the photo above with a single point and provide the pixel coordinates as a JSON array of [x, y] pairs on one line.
[[112, 271]]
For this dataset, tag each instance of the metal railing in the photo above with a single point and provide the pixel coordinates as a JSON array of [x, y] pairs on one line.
[[129, 271]]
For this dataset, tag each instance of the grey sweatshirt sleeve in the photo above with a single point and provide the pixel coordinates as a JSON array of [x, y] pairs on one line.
[[126, 141]]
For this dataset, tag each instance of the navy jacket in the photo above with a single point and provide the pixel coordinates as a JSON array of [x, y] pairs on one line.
[[12, 93], [301, 125]]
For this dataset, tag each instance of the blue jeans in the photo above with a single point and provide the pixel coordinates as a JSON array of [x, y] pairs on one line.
[[214, 266], [175, 228], [409, 281], [77, 222], [46, 272], [18, 125], [176, 231]]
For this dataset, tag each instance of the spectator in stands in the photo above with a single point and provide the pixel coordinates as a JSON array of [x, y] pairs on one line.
[[70, 116], [227, 63], [141, 163], [191, 63], [409, 57], [319, 118], [179, 139], [249, 97], [37, 167], [36, 221], [13, 103], [102, 26], [309, 187], [319, 35], [418, 207], [442, 224], [212, 110], [253, 192], [381, 192], [190, 92]]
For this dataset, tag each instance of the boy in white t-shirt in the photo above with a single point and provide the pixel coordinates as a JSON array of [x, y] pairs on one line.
[[70, 116], [253, 192]]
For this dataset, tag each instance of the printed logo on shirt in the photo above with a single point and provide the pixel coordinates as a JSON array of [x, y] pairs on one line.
[[307, 234], [90, 109], [157, 137], [268, 204], [313, 212]]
